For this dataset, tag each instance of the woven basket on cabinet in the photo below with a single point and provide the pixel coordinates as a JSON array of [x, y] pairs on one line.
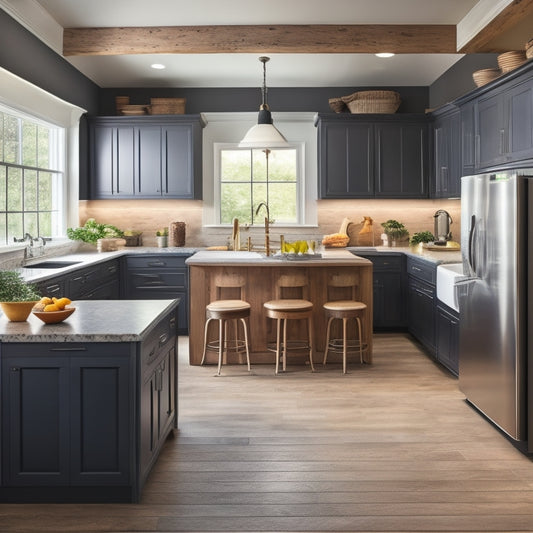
[[373, 102]]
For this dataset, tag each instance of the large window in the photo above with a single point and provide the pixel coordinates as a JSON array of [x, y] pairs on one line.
[[31, 176], [249, 177]]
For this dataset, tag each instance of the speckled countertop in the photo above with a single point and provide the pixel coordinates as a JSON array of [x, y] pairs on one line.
[[93, 321], [438, 257]]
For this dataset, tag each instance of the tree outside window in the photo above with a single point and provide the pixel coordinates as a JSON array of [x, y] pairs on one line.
[[251, 176]]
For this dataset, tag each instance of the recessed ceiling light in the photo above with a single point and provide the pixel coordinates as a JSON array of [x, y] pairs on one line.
[[158, 66], [385, 54]]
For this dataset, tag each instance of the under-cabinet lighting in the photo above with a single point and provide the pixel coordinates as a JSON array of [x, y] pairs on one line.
[[385, 54], [158, 66]]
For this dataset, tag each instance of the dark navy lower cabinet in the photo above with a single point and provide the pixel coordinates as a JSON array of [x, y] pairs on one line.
[[85, 422], [447, 337]]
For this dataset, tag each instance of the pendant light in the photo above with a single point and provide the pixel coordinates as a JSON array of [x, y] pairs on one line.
[[264, 134]]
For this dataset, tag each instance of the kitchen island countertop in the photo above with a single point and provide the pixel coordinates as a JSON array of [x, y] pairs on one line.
[[93, 321]]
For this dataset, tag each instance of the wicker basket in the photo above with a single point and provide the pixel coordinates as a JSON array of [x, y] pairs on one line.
[[510, 60], [373, 102], [529, 49], [167, 106], [133, 110], [337, 105], [120, 102], [486, 75]]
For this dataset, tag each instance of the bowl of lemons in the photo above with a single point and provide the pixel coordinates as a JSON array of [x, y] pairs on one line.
[[53, 310]]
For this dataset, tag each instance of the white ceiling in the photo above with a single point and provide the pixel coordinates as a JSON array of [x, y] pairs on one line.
[[46, 18]]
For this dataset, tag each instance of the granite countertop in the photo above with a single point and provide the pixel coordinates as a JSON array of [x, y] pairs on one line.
[[93, 321], [438, 257], [327, 257]]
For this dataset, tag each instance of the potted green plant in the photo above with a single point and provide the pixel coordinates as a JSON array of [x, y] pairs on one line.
[[92, 231], [421, 237], [395, 231], [161, 236], [16, 296]]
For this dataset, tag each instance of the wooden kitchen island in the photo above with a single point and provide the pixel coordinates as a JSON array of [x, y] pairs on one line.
[[260, 274]]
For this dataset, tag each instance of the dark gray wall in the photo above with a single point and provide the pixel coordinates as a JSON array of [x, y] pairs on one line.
[[457, 80], [414, 99], [29, 58]]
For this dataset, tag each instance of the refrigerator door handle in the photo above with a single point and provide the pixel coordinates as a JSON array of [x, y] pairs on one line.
[[471, 259]]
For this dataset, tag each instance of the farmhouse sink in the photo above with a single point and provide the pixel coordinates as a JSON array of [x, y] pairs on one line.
[[52, 264], [447, 275]]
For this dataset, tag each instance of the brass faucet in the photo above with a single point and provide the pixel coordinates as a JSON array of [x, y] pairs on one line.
[[267, 230]]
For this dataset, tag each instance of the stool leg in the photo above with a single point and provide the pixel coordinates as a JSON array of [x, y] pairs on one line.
[[284, 344], [278, 339], [344, 343], [310, 332], [245, 327], [360, 338], [327, 340], [221, 342], [205, 339], [236, 339]]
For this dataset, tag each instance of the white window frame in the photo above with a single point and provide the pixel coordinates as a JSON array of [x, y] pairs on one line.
[[35, 102], [300, 195], [227, 129]]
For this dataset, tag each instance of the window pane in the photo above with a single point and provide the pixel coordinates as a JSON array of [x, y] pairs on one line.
[[3, 227], [29, 144], [15, 227], [235, 202], [30, 190], [283, 203], [43, 138], [1, 144], [31, 224], [14, 189], [11, 139], [45, 191], [260, 164], [45, 224], [235, 165], [282, 165], [3, 197]]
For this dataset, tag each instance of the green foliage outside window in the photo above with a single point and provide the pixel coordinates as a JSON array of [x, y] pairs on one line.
[[30, 177], [249, 177]]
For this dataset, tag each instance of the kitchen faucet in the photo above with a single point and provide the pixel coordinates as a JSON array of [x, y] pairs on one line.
[[267, 231]]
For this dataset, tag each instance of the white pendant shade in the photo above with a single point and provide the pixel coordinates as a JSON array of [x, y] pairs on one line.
[[263, 136]]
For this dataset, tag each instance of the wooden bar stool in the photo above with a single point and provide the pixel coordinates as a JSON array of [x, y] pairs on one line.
[[344, 310], [284, 309], [225, 311]]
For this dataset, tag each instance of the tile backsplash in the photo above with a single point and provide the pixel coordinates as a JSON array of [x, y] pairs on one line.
[[150, 215]]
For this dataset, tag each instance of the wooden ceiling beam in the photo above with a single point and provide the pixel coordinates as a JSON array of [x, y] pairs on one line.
[[294, 39], [505, 21]]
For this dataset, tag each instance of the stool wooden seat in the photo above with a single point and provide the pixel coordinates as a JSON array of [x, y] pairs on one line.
[[344, 310], [284, 309]]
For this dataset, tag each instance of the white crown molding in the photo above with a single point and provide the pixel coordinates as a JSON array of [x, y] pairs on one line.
[[37, 20], [477, 18]]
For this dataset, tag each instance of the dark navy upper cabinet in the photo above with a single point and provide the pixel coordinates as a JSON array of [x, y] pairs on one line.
[[446, 154], [519, 105], [370, 156], [497, 124], [345, 152], [146, 157], [402, 159]]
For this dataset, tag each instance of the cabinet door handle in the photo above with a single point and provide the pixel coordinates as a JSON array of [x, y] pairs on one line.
[[172, 322], [74, 349]]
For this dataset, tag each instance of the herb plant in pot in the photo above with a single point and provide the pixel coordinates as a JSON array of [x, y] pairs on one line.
[[16, 296], [395, 231], [161, 236]]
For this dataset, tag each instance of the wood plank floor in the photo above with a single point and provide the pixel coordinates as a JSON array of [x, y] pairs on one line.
[[391, 446]]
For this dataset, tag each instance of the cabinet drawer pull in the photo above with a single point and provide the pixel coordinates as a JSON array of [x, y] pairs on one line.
[[156, 263], [74, 349], [163, 338], [172, 322], [152, 352]]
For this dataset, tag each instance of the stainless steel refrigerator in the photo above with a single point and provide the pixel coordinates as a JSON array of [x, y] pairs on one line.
[[493, 296]]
